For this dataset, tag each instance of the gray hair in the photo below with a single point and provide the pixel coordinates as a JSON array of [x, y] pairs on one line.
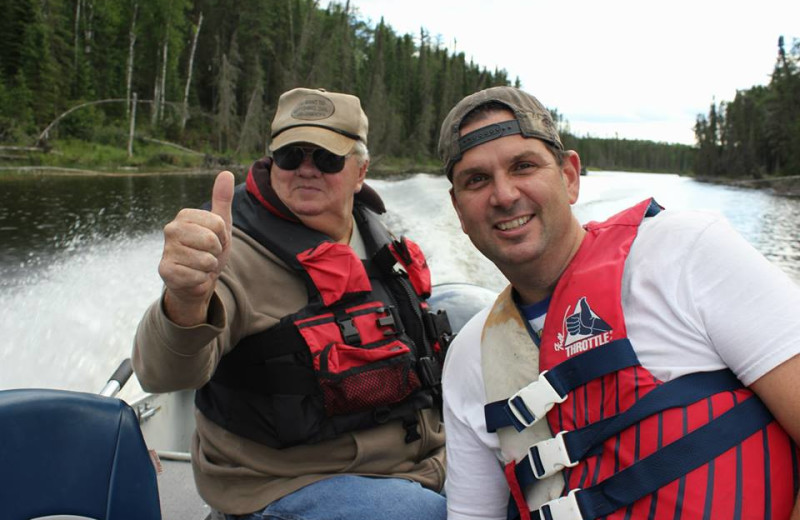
[[361, 153]]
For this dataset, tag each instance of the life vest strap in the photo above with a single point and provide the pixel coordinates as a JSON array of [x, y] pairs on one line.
[[669, 463], [562, 508], [531, 403], [566, 449], [546, 458]]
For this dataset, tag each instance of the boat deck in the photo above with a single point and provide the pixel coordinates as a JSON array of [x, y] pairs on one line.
[[178, 495]]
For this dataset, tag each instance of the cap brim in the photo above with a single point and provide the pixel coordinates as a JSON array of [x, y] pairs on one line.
[[331, 141]]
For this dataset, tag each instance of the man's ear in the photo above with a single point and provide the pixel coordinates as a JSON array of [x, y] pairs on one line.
[[571, 170], [362, 175], [455, 207]]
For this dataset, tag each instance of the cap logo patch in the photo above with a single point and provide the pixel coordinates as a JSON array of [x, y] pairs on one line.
[[313, 107]]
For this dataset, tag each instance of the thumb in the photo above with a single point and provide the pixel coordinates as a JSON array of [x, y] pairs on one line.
[[586, 313], [222, 197]]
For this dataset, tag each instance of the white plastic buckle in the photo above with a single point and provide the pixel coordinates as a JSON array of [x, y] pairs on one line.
[[553, 456], [564, 508], [539, 397]]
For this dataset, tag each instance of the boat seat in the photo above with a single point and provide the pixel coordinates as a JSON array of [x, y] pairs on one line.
[[73, 455]]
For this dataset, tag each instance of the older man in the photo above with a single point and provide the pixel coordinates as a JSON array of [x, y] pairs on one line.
[[301, 321], [645, 367]]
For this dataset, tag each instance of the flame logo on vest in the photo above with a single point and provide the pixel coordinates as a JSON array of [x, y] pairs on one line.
[[582, 330]]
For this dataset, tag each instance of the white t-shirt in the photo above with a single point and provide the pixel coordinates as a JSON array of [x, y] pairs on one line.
[[696, 297]]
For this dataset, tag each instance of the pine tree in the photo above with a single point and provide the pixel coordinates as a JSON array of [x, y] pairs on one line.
[[226, 105]]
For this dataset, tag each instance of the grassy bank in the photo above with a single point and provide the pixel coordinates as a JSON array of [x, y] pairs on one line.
[[83, 155], [152, 156]]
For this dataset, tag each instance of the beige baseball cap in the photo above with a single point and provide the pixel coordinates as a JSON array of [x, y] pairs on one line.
[[532, 120], [331, 120]]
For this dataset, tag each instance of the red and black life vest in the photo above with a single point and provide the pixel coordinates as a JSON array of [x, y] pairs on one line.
[[701, 446], [364, 350]]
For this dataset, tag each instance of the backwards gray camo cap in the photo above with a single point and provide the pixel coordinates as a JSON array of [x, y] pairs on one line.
[[532, 119]]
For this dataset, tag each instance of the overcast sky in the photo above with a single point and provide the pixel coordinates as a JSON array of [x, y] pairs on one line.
[[633, 69]]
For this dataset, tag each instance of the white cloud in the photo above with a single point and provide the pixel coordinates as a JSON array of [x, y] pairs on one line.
[[634, 69]]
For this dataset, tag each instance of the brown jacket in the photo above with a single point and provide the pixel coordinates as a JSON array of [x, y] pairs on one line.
[[239, 476]]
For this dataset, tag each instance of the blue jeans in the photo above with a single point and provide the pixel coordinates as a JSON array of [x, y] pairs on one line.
[[350, 497]]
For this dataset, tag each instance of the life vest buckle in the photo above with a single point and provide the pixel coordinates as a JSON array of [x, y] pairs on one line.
[[430, 372], [390, 320], [550, 456], [438, 327], [564, 508], [349, 331], [531, 403]]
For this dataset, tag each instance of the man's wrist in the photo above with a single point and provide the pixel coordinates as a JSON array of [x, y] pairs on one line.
[[186, 313]]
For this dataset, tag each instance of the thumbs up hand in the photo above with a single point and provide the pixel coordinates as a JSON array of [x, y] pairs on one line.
[[197, 245], [575, 322], [584, 322]]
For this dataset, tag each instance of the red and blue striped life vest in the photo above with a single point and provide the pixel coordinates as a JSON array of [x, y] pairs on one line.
[[631, 446]]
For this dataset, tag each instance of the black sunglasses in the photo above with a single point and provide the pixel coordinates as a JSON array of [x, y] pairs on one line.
[[291, 157]]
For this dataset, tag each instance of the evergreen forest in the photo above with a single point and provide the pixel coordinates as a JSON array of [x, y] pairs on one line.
[[757, 135], [159, 83]]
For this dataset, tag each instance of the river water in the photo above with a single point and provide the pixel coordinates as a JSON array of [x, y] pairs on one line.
[[78, 255]]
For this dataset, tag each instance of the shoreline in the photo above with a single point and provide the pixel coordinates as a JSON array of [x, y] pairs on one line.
[[65, 171], [236, 169], [788, 186]]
